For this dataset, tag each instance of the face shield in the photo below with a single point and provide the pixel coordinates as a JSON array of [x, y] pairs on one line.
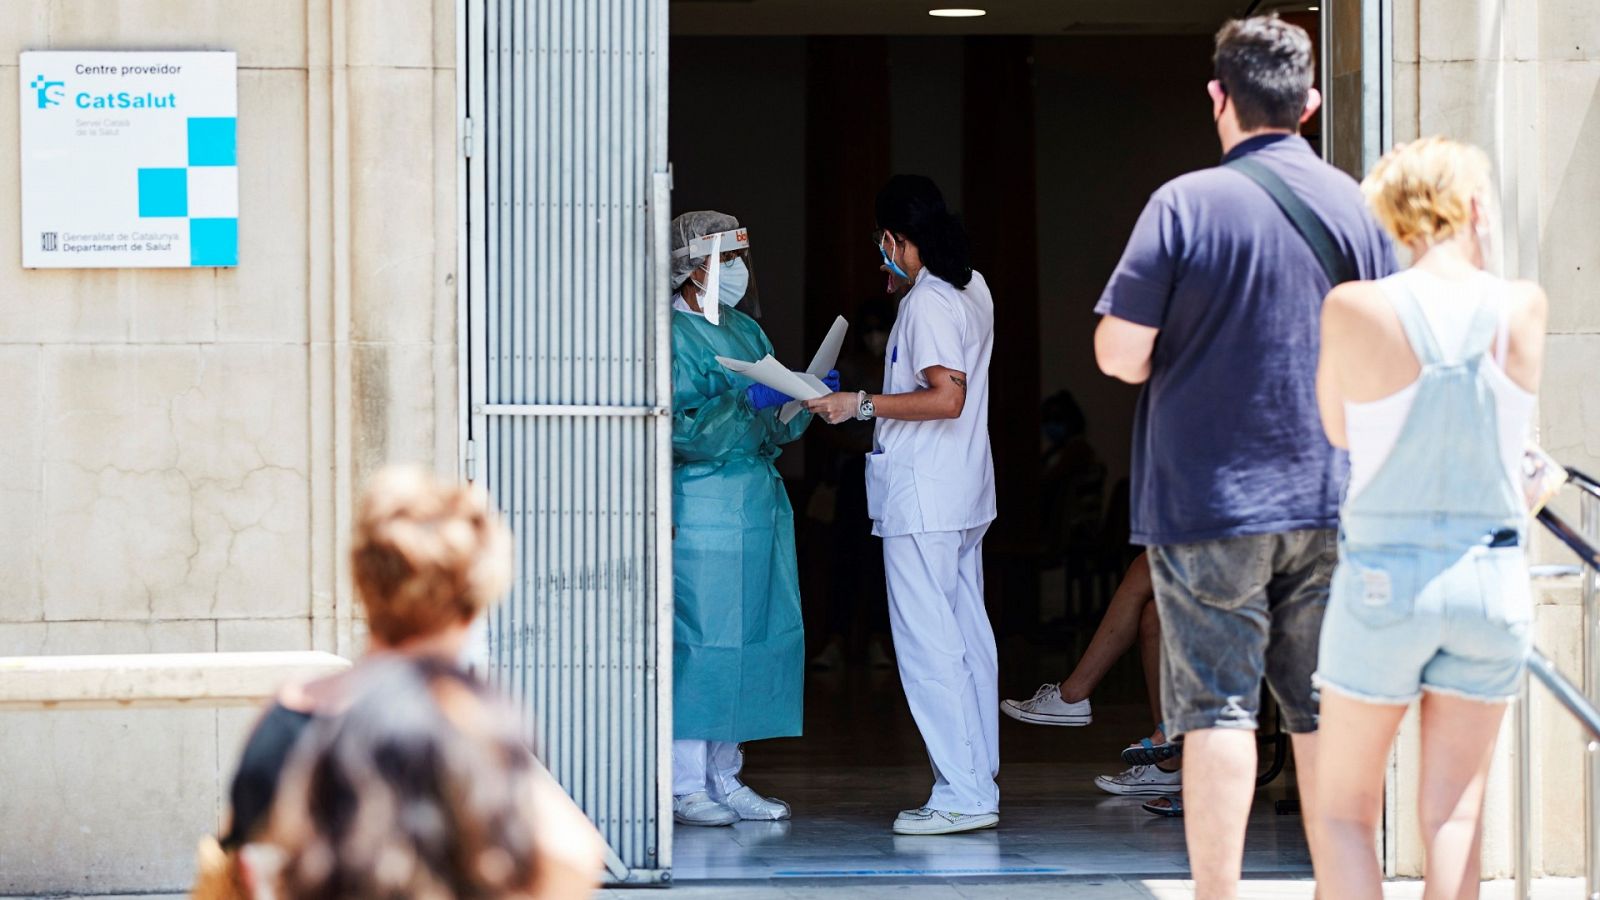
[[712, 252]]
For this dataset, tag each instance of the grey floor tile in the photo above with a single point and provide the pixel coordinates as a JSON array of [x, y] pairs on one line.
[[861, 761]]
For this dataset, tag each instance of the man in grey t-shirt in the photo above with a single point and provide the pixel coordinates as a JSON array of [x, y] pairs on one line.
[[1235, 489]]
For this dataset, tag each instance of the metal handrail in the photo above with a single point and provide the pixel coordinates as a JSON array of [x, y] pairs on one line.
[[1567, 693], [1570, 536], [1583, 482], [1579, 702]]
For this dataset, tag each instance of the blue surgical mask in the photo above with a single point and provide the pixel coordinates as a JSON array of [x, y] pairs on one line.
[[734, 282], [889, 260]]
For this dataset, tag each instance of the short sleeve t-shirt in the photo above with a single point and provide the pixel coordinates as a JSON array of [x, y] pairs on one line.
[[1227, 439], [939, 475]]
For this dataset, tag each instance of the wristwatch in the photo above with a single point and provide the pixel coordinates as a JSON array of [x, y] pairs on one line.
[[864, 409]]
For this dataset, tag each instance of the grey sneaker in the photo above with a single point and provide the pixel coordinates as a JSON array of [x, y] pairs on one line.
[[1142, 781], [937, 821]]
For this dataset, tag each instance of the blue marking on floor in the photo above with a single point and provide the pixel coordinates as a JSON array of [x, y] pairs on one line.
[[918, 873]]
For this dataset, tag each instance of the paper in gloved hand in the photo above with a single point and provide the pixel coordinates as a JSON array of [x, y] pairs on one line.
[[822, 363], [805, 385], [773, 374]]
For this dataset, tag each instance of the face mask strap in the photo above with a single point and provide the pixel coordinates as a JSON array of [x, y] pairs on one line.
[[888, 255]]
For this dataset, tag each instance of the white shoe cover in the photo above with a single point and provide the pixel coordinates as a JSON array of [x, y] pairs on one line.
[[751, 806], [699, 809]]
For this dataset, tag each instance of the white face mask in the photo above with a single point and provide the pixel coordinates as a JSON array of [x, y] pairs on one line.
[[733, 281]]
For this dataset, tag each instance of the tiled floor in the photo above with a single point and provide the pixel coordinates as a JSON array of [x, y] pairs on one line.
[[862, 761]]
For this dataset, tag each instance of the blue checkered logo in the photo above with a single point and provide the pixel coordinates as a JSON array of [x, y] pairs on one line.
[[204, 191]]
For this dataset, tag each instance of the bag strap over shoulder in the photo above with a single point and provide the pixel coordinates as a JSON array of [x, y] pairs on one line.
[[1311, 228]]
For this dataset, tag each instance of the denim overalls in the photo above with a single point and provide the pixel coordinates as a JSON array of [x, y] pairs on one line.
[[1431, 591]]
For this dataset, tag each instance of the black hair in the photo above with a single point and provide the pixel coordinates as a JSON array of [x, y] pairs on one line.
[[911, 205], [423, 788], [1265, 65]]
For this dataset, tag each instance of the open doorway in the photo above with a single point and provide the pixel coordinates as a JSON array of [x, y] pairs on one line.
[[1047, 126]]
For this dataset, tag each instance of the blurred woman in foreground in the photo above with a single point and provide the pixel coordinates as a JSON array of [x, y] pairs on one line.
[[423, 789], [427, 559]]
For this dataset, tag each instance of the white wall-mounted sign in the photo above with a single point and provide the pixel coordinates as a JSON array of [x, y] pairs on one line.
[[129, 159]]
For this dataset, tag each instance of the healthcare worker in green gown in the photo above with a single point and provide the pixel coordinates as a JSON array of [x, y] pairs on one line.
[[738, 648]]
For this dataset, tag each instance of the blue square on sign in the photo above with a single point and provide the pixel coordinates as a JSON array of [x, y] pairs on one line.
[[163, 192], [213, 242], [211, 142]]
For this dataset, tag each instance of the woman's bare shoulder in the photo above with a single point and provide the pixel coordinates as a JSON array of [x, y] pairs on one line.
[[1355, 305], [1529, 299]]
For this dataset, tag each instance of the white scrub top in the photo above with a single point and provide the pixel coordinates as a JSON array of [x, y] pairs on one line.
[[935, 476]]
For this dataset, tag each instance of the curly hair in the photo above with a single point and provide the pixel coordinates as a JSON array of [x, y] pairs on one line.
[[1423, 192], [423, 789], [425, 555]]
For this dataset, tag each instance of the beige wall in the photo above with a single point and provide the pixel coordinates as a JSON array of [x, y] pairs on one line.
[[178, 449], [1522, 79]]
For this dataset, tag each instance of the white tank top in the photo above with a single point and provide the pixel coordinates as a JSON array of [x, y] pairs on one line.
[[1373, 428]]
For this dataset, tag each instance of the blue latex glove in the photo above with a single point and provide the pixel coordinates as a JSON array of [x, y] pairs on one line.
[[763, 397], [832, 380]]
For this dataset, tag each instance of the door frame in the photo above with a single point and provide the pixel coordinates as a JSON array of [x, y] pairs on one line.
[[472, 262]]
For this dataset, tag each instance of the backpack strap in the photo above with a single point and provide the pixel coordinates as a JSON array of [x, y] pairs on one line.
[[1312, 229]]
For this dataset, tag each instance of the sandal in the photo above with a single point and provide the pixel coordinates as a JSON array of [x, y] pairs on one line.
[[1148, 753], [1166, 807]]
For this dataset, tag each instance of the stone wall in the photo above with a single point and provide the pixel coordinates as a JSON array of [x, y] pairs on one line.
[[1521, 78], [179, 449]]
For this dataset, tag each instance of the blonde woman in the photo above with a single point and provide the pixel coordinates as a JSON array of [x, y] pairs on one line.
[[1428, 377], [427, 559]]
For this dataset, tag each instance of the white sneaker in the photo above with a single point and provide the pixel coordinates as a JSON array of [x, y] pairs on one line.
[[699, 809], [752, 807], [1047, 708], [918, 813], [1142, 781], [937, 821]]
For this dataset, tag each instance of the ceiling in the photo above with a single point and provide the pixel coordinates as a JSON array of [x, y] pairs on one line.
[[797, 17]]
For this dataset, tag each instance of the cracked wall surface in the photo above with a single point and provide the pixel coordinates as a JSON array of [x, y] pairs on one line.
[[179, 450]]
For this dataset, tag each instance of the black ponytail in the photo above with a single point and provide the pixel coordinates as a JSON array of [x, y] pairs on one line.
[[912, 205]]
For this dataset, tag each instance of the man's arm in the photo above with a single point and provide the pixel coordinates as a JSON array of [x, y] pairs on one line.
[[1123, 348], [944, 398]]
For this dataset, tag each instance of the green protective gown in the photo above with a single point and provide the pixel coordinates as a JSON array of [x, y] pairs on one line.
[[738, 646]]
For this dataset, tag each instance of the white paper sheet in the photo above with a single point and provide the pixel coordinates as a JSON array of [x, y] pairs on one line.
[[822, 363], [773, 374]]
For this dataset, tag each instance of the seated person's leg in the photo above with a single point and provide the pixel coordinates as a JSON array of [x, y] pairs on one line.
[[1068, 702]]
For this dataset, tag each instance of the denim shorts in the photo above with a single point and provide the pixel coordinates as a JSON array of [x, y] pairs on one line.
[[1234, 612], [1406, 620]]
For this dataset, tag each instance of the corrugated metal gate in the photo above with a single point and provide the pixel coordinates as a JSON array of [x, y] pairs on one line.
[[567, 360]]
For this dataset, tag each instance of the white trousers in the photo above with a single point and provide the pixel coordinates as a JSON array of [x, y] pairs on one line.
[[712, 766], [948, 664]]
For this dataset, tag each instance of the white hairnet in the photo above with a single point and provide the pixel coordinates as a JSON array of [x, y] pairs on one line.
[[688, 226]]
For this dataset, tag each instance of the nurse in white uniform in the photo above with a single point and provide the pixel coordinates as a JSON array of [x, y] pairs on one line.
[[930, 492]]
